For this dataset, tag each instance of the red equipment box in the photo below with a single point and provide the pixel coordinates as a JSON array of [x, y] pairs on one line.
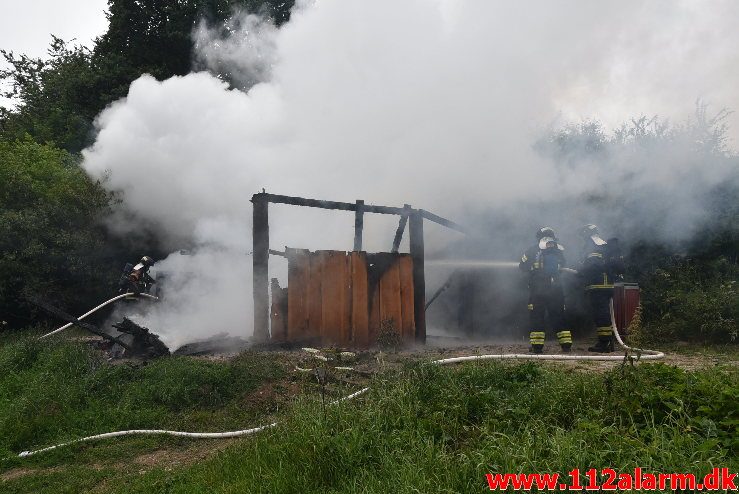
[[625, 303]]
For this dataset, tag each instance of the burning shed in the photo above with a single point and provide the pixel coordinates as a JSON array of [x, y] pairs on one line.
[[342, 298]]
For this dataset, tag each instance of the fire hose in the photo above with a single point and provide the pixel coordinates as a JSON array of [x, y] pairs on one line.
[[641, 355], [91, 311]]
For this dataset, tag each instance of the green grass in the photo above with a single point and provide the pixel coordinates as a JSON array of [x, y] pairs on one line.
[[54, 391], [433, 429], [424, 428]]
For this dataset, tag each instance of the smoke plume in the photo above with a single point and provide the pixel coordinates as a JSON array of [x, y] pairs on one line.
[[444, 105]]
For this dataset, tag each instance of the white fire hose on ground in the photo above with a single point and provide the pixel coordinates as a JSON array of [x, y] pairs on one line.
[[91, 311], [641, 355]]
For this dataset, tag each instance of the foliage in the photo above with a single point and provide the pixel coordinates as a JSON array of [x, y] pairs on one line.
[[703, 133], [57, 97], [692, 301], [702, 402], [388, 337], [51, 243]]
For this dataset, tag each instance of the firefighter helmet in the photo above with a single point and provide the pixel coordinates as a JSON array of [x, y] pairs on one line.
[[545, 231], [147, 261], [547, 238], [591, 232]]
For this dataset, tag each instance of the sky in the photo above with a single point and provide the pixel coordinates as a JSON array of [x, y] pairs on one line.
[[26, 26]]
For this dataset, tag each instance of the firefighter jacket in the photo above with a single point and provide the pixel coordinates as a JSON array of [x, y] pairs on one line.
[[601, 266], [543, 266]]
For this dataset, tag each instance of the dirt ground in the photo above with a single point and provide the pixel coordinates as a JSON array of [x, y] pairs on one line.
[[370, 362], [683, 356]]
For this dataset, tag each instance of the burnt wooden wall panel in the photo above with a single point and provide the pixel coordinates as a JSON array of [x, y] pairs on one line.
[[390, 296], [346, 308], [329, 299], [315, 299], [333, 301], [297, 295], [278, 312], [408, 326], [360, 301], [374, 313]]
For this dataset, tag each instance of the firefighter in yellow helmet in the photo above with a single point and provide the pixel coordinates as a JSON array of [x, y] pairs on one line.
[[601, 266], [543, 262]]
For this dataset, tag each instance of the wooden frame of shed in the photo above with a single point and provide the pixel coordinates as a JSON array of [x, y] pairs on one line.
[[408, 215]]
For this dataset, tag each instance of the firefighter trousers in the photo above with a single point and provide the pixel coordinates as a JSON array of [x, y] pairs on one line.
[[600, 307], [548, 306]]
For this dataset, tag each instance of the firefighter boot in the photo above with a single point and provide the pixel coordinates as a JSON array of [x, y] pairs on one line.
[[603, 345], [565, 340], [536, 339], [605, 340]]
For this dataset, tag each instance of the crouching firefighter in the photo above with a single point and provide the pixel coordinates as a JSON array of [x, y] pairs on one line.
[[136, 279], [601, 266], [543, 262]]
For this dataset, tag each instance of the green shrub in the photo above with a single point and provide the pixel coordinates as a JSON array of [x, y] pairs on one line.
[[51, 241], [692, 301]]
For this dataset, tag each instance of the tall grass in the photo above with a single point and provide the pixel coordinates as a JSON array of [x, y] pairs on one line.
[[434, 429], [424, 428], [52, 391]]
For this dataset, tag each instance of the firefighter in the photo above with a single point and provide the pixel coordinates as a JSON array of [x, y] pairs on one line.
[[542, 262], [136, 279], [601, 266]]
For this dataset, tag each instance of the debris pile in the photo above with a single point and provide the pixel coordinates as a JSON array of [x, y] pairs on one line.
[[221, 343], [139, 341], [132, 341]]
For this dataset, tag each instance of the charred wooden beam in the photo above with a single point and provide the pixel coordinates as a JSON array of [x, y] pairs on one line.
[[401, 227], [415, 234], [260, 258], [348, 206], [277, 253], [441, 290], [341, 206], [443, 221], [358, 225], [64, 316], [144, 342]]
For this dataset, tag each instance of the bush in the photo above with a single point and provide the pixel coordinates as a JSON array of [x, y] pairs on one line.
[[692, 301], [51, 242]]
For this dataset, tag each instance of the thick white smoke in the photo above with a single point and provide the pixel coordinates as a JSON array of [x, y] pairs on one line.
[[435, 104]]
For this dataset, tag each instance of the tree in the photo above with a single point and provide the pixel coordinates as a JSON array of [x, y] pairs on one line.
[[51, 240], [59, 98], [57, 101]]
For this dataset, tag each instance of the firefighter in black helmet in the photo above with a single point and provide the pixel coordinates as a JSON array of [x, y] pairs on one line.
[[136, 279], [543, 262], [601, 266]]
